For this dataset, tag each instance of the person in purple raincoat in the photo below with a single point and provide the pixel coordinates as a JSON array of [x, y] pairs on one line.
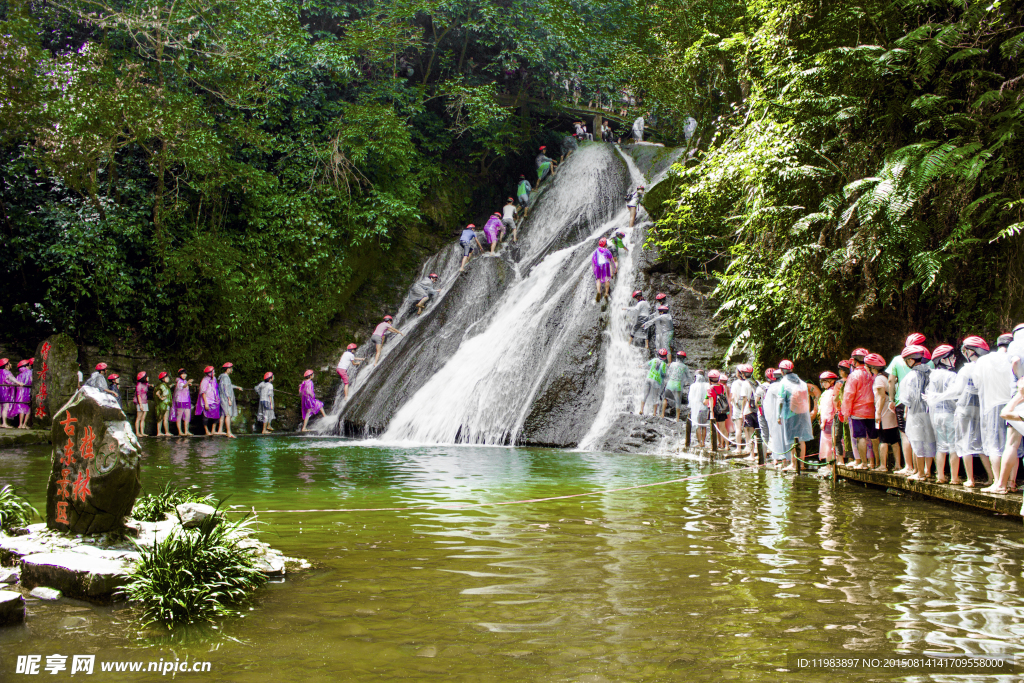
[[181, 407], [311, 405], [8, 385], [22, 396], [208, 402], [602, 261], [493, 229]]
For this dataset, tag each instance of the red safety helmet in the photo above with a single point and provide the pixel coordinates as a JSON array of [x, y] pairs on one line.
[[976, 342], [351, 347], [770, 374], [100, 367], [471, 226], [828, 375], [543, 147], [785, 365], [208, 368], [433, 276], [714, 375], [112, 376], [845, 363], [388, 318], [22, 363], [660, 296], [859, 351], [140, 375], [307, 373], [161, 375], [663, 353], [1004, 339], [663, 308], [681, 354], [228, 365], [638, 294], [31, 361], [522, 175], [915, 350], [915, 339], [874, 360], [942, 351], [602, 243], [622, 234], [181, 371], [746, 367], [267, 375]]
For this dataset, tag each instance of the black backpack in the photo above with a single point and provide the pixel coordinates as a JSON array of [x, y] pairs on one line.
[[721, 404]]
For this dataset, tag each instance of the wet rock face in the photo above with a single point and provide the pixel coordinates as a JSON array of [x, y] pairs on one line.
[[644, 433], [96, 466], [54, 377]]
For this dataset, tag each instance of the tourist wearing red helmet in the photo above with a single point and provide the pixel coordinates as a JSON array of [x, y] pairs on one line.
[[181, 408], [265, 409], [859, 408], [466, 240], [942, 411], [98, 379], [508, 218], [380, 335], [633, 199], [423, 292], [638, 314], [759, 392], [773, 436], [347, 361], [918, 422], [718, 404], [141, 400], [21, 394], [991, 373], [311, 405], [897, 369], [794, 414], [698, 396], [228, 400], [8, 386], [745, 413], [677, 384], [493, 230], [523, 190], [208, 402], [615, 243], [654, 382], [1011, 413], [967, 417], [826, 449], [545, 165], [162, 409], [885, 418], [601, 261], [663, 326]]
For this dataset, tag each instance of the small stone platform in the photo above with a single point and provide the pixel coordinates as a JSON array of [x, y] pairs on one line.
[[13, 438], [1007, 504]]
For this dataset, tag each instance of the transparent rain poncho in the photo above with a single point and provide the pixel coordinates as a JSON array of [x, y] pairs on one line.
[[994, 379], [771, 415], [698, 394], [637, 316], [663, 329], [919, 423], [967, 416], [795, 409], [679, 376], [943, 411]]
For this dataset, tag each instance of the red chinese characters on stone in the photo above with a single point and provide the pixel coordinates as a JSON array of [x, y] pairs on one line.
[[68, 424], [85, 446], [80, 488], [68, 453], [45, 350], [40, 411], [42, 373], [62, 513], [62, 483]]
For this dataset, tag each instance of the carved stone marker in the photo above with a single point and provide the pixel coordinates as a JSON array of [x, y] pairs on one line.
[[54, 377], [96, 466]]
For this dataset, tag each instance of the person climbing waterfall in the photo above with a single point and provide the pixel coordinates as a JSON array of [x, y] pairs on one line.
[[163, 405], [794, 412], [918, 422], [638, 314], [228, 401], [493, 230], [569, 146], [508, 219], [664, 328], [677, 385], [633, 199], [602, 261], [614, 244], [141, 401], [656, 369], [523, 191], [265, 409], [181, 409], [380, 335], [466, 242], [311, 405], [423, 292], [545, 165], [347, 361], [660, 299]]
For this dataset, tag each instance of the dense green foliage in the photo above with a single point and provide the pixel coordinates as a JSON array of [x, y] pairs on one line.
[[15, 511], [194, 574], [152, 507], [207, 175], [866, 172]]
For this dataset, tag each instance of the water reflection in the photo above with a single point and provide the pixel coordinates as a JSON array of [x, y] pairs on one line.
[[707, 579]]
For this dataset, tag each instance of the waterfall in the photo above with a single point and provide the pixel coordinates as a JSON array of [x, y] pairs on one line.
[[515, 350]]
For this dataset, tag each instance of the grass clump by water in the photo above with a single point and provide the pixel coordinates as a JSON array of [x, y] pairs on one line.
[[15, 511], [152, 506], [195, 575]]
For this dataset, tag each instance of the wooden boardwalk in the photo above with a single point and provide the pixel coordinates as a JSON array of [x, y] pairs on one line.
[[1009, 504]]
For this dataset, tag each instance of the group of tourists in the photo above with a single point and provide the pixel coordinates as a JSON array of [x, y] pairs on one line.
[[16, 393], [932, 416]]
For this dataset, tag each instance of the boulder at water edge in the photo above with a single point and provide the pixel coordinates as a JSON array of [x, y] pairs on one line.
[[54, 377], [12, 607], [96, 466]]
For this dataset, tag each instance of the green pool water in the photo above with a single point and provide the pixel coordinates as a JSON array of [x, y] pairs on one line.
[[712, 579]]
